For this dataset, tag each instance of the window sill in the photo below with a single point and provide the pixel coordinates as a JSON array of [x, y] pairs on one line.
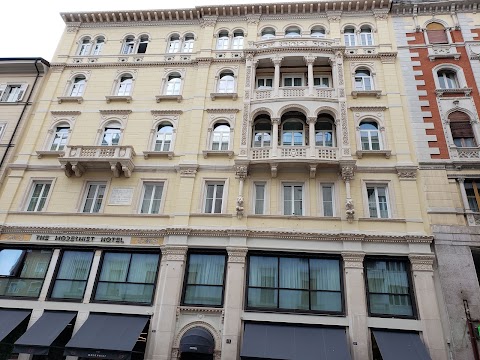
[[386, 153], [168, 97], [169, 154], [372, 93], [383, 219], [207, 153], [111, 98], [212, 215], [442, 92], [77, 99], [232, 96], [42, 153]]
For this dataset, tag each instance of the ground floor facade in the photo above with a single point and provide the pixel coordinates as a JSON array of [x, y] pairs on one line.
[[217, 294]]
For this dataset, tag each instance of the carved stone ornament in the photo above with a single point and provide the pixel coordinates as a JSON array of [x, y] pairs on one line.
[[239, 206], [241, 171], [422, 262], [237, 254], [349, 210], [175, 253], [208, 21], [407, 173], [187, 170], [348, 172], [353, 259]]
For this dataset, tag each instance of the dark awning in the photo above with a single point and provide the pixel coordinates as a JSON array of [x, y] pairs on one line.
[[106, 336], [10, 319], [38, 338], [293, 342], [197, 340], [399, 345]]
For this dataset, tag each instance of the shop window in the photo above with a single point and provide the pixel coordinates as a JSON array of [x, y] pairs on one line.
[[127, 277], [22, 271], [204, 280], [38, 195], [461, 129], [389, 288], [72, 275], [300, 284]]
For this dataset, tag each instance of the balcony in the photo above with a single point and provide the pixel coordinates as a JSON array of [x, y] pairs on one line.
[[294, 92], [320, 153], [78, 159], [289, 43]]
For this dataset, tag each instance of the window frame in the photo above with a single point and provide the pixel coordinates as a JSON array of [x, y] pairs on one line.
[[279, 255], [322, 201], [362, 77], [352, 37], [475, 196], [388, 195], [98, 46], [185, 276], [214, 182], [222, 43], [131, 252], [84, 46], [26, 248], [366, 37], [85, 194], [64, 139], [128, 46], [411, 287], [369, 132], [222, 86], [32, 185], [447, 82], [264, 79], [162, 196], [293, 76], [294, 184], [265, 197], [18, 96], [224, 135], [57, 269]]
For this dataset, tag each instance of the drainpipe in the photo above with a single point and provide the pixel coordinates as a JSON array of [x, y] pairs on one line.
[[10, 143], [473, 340]]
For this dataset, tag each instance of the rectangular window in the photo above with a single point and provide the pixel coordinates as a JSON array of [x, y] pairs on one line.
[[152, 198], [12, 93], [293, 80], [22, 271], [259, 198], [264, 82], [214, 197], [38, 195], [204, 280], [321, 81], [389, 288], [327, 200], [378, 201], [94, 195], [2, 129], [473, 194], [294, 283], [293, 199], [72, 275], [127, 277]]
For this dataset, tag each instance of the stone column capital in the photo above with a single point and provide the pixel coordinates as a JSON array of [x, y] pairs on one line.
[[174, 252], [277, 60], [241, 171], [237, 254], [353, 259], [421, 262]]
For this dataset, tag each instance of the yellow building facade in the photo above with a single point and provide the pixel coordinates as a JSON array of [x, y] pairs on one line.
[[223, 178]]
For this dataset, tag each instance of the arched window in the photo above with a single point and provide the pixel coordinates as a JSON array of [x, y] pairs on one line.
[[436, 34], [293, 133], [174, 44], [447, 79], [221, 136], [317, 32], [370, 136], [60, 138], [366, 36], [226, 82], [111, 134], [268, 33], [237, 43], [97, 49], [223, 40], [324, 132], [84, 46], [363, 80], [461, 128], [349, 36], [142, 45], [262, 133], [292, 31], [174, 84], [163, 141], [78, 86], [188, 42], [125, 85], [128, 45]]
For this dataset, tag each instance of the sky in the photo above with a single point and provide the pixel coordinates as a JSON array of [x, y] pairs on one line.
[[32, 28]]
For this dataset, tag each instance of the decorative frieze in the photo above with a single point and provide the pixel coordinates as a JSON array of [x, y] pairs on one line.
[[353, 260], [407, 172], [187, 170], [422, 262], [174, 252], [237, 254]]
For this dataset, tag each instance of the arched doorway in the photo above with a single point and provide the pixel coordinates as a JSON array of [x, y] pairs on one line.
[[197, 344]]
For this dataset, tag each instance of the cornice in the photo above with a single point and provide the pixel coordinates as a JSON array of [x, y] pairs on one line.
[[368, 108], [65, 112], [416, 7], [283, 235], [166, 112], [222, 111], [115, 112]]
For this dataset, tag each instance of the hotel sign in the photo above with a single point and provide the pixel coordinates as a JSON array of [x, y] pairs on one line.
[[85, 239]]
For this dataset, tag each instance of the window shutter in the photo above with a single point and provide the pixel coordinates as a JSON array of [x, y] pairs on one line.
[[21, 93], [2, 89], [461, 129], [437, 36]]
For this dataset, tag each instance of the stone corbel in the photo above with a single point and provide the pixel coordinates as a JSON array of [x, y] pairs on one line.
[[274, 169], [78, 169], [313, 170]]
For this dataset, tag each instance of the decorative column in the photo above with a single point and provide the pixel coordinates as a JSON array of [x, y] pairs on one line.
[[310, 60], [311, 134], [449, 35], [428, 309], [277, 60], [169, 289], [233, 307], [348, 172], [356, 304], [275, 123], [241, 173]]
